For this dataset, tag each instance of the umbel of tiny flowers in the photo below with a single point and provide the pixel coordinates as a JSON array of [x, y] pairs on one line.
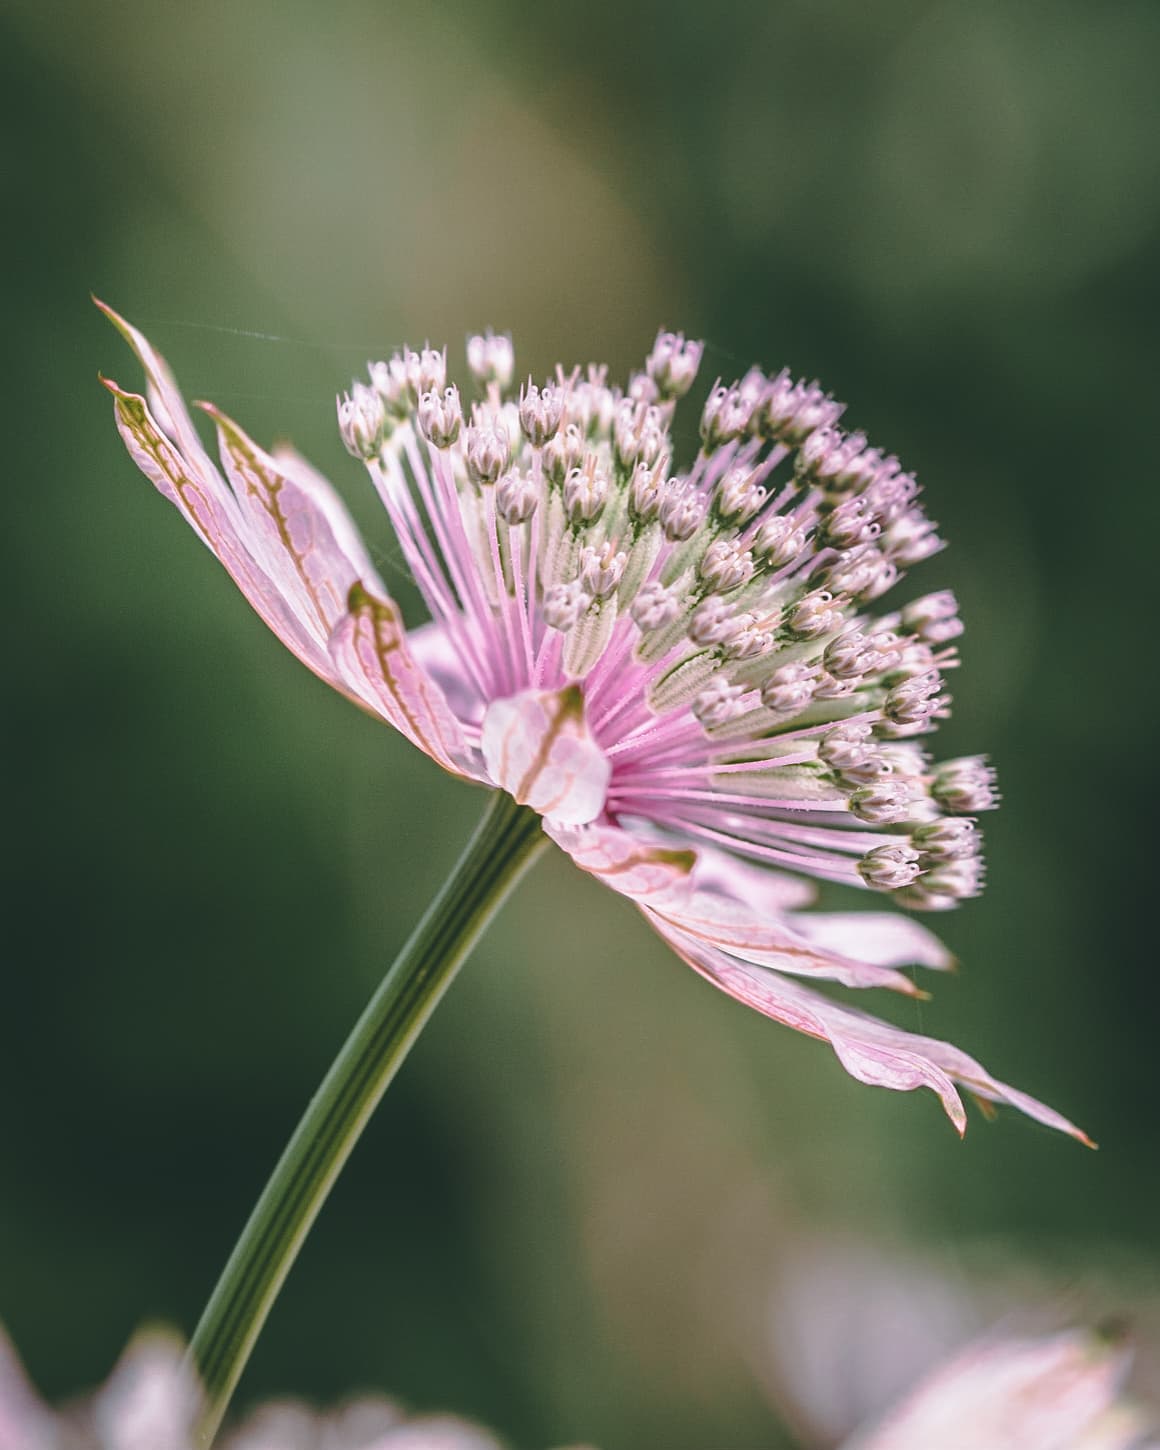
[[1057, 1392], [674, 669]]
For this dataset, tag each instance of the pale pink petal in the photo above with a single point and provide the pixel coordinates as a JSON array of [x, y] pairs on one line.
[[369, 648], [740, 908], [537, 747], [770, 941], [289, 544], [765, 890], [883, 937], [895, 1066], [874, 1052], [164, 397], [643, 870], [296, 526], [436, 651]]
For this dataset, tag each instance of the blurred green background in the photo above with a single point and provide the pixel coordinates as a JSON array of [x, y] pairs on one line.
[[570, 1215]]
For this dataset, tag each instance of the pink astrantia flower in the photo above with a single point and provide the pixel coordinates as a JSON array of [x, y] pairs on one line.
[[678, 670], [1060, 1392]]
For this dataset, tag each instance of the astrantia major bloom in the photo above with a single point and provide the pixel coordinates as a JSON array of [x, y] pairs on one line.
[[679, 664]]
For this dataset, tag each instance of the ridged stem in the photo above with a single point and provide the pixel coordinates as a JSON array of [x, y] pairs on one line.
[[503, 846]]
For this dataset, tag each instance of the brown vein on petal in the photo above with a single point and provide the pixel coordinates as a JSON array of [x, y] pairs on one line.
[[569, 705], [266, 487], [386, 639]]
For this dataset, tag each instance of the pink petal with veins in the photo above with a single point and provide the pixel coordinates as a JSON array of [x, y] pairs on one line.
[[643, 870], [207, 503], [872, 1051], [289, 544], [537, 747], [295, 521], [369, 649]]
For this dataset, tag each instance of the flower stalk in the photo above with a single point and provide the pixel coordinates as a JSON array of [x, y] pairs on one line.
[[505, 843]]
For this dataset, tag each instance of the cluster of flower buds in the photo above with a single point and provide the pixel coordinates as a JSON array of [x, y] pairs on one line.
[[733, 591]]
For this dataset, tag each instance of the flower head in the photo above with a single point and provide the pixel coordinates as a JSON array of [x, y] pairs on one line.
[[1057, 1392], [677, 666]]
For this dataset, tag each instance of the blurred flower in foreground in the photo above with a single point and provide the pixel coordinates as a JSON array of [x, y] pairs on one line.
[[151, 1402], [856, 1334], [1061, 1392], [676, 670], [367, 1424]]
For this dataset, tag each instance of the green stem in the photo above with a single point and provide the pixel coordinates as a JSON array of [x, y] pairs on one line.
[[504, 845]]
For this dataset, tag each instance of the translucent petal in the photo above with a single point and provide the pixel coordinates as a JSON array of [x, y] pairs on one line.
[[537, 747]]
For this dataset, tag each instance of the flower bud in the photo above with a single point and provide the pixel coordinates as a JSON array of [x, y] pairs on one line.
[[851, 523], [915, 700], [934, 618], [645, 491], [947, 839], [585, 492], [654, 607], [815, 410], [966, 786], [361, 420], [889, 867], [910, 539], [846, 746], [564, 604], [491, 359], [638, 432], [814, 614], [389, 379], [440, 417], [682, 511], [750, 639], [856, 656], [788, 412], [563, 453], [862, 573], [711, 621], [673, 363], [890, 493], [725, 417], [739, 496], [884, 803], [541, 411], [718, 702], [790, 688], [488, 451], [725, 565], [778, 541], [516, 497], [426, 371], [601, 570]]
